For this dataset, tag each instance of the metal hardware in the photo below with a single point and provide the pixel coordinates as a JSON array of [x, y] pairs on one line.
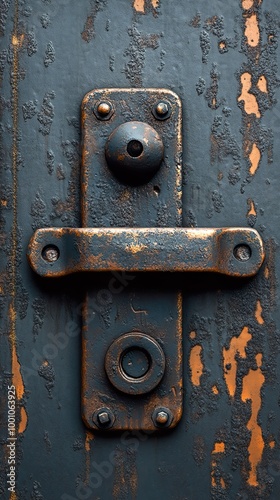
[[152, 355], [229, 251], [162, 110], [132, 137], [103, 418], [103, 110], [134, 152], [162, 417]]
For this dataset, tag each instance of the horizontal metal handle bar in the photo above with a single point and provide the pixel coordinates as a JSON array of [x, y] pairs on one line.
[[231, 251]]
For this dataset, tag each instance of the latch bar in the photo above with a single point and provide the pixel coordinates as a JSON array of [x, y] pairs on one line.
[[229, 251]]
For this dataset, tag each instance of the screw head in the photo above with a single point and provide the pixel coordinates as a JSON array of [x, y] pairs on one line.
[[103, 110], [162, 110], [103, 418], [162, 417], [50, 253]]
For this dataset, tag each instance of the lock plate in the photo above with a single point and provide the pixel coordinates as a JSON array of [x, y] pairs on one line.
[[132, 331]]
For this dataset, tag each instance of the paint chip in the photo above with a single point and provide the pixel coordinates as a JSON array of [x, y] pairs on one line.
[[196, 365], [250, 102], [258, 313], [219, 448], [236, 348], [254, 158], [252, 31]]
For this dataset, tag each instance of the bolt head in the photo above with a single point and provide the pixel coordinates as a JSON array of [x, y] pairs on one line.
[[242, 252], [104, 417], [162, 418], [104, 108]]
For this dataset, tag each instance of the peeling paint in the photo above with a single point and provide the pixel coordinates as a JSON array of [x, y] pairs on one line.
[[196, 365], [250, 102], [236, 348], [254, 157], [247, 4], [251, 390], [258, 313], [262, 84], [252, 31]]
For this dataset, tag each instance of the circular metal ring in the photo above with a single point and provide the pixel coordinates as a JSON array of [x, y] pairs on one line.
[[150, 349]]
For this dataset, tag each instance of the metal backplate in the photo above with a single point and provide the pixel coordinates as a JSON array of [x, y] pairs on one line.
[[118, 304]]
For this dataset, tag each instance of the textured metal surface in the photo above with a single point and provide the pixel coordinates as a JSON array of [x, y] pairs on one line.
[[131, 250], [223, 59]]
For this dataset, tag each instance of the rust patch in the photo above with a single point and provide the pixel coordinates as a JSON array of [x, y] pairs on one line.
[[17, 377], [262, 84], [196, 365], [192, 335], [250, 102], [236, 348], [271, 444], [254, 157], [258, 313], [251, 391], [219, 447], [252, 31], [215, 390]]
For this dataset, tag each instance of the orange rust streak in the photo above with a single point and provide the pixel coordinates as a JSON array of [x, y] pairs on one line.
[[262, 84], [252, 384], [223, 484], [23, 420], [266, 272], [139, 5], [252, 31], [258, 313], [219, 448], [250, 102], [237, 347], [254, 158], [196, 364]]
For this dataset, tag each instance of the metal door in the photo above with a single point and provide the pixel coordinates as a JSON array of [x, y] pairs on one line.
[[221, 59]]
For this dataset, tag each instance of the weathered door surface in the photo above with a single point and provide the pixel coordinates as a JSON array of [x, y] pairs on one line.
[[221, 59]]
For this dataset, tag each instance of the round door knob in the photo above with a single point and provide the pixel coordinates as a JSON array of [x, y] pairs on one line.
[[134, 152]]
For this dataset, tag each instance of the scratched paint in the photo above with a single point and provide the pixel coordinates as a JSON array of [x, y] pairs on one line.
[[237, 348], [139, 5], [196, 364], [251, 391]]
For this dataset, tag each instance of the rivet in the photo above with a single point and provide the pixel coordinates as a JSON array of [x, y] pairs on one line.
[[162, 108], [104, 108], [50, 253]]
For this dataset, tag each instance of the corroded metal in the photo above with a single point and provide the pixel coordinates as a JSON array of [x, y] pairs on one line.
[[162, 249]]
